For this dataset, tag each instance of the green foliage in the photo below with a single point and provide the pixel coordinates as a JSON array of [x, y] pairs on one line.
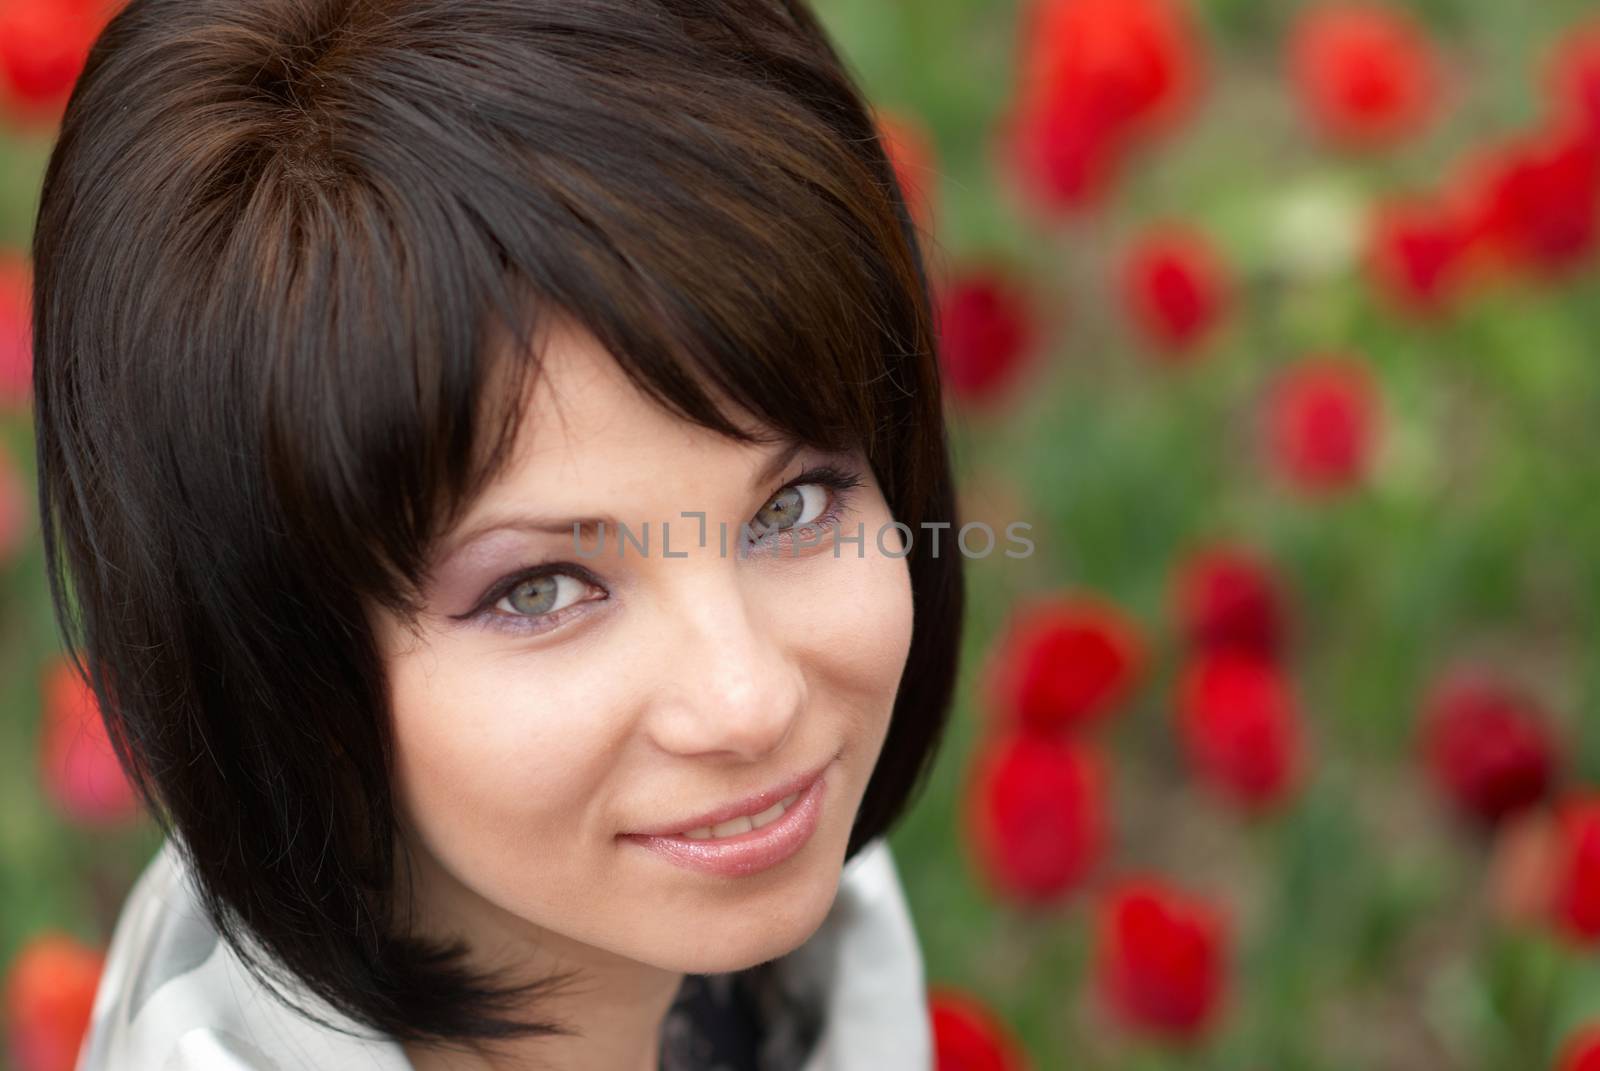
[[1365, 941]]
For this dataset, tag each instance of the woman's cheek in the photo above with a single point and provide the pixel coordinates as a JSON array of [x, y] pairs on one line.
[[472, 736], [868, 632]]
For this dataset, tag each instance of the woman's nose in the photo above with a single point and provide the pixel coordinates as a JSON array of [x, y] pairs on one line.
[[731, 682]]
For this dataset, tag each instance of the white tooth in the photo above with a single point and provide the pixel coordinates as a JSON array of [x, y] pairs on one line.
[[731, 827], [771, 814], [735, 826]]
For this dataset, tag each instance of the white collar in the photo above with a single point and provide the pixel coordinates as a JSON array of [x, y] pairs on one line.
[[173, 997]]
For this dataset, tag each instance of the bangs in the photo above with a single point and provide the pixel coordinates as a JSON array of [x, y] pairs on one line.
[[745, 255]]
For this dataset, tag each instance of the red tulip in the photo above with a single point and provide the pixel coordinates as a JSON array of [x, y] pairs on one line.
[[1574, 76], [1175, 287], [1366, 74], [1575, 899], [910, 150], [1225, 598], [986, 334], [1135, 61], [1062, 158], [968, 1037], [1487, 745], [1419, 253], [1537, 200], [1161, 959], [1581, 1052], [1035, 816], [1322, 422], [16, 342], [50, 992], [1065, 663], [77, 763], [1240, 728], [1096, 78], [43, 45]]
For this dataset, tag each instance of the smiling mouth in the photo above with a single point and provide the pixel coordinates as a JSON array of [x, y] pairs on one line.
[[741, 816], [739, 846]]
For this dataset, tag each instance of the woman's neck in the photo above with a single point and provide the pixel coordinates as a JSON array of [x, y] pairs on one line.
[[616, 1015]]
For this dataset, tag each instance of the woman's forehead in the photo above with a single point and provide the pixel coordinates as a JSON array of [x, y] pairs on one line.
[[580, 409]]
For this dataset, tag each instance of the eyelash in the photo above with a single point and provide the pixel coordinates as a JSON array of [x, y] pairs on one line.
[[839, 483]]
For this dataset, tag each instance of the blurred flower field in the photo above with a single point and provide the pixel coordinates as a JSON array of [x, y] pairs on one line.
[[1280, 324]]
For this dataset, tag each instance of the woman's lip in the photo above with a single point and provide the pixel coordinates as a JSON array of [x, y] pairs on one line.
[[749, 806], [744, 853]]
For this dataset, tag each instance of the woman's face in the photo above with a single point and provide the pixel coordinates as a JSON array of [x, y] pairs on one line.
[[562, 697]]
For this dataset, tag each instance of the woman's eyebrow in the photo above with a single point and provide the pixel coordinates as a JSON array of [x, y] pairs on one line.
[[532, 522]]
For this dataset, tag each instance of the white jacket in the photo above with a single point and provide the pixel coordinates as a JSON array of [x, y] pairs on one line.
[[174, 997]]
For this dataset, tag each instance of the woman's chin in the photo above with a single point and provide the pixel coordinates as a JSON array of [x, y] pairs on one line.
[[731, 939], [721, 955]]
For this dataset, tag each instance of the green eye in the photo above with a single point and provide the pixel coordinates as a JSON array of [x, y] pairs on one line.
[[791, 507], [544, 594]]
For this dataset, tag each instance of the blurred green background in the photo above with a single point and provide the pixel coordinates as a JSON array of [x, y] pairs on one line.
[[1365, 942]]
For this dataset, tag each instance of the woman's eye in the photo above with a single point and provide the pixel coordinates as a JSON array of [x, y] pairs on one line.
[[541, 595], [795, 505]]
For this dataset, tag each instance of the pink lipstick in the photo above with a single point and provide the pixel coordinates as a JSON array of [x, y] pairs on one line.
[[754, 850]]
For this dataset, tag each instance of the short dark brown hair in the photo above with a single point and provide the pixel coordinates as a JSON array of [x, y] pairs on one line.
[[274, 241]]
